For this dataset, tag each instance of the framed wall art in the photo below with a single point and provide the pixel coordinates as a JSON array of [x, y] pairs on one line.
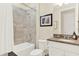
[[46, 20]]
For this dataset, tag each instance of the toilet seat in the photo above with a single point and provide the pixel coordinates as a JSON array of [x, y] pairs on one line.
[[37, 52], [42, 49]]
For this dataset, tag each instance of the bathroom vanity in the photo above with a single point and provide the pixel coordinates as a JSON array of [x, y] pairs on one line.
[[63, 47]]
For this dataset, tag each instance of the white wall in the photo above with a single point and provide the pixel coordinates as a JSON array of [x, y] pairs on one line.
[[6, 28]]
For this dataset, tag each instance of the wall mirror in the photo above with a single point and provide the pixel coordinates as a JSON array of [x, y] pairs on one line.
[[68, 21]]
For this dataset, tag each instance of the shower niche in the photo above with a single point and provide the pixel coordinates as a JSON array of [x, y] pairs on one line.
[[24, 24]]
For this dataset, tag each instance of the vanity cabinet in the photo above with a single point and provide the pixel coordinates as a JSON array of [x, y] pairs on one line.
[[62, 49], [55, 51]]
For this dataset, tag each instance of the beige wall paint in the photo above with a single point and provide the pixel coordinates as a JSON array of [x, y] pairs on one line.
[[45, 32], [56, 18]]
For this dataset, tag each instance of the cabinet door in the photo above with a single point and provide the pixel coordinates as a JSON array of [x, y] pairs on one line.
[[56, 52]]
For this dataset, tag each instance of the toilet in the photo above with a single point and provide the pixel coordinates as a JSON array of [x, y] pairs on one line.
[[42, 51], [37, 52]]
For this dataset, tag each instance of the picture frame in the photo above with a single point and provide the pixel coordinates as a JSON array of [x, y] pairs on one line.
[[46, 20]]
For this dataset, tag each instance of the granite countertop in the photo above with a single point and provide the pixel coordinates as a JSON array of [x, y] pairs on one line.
[[67, 41]]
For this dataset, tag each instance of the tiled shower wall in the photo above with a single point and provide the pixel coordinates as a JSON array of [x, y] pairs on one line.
[[24, 25]]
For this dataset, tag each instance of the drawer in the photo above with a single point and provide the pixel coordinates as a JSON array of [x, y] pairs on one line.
[[55, 51], [72, 48]]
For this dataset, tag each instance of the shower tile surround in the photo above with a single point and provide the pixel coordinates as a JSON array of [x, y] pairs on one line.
[[24, 25]]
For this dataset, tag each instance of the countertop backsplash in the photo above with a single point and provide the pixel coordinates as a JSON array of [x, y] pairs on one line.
[[63, 36]]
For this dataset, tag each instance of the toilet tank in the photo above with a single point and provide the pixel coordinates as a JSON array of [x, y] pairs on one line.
[[43, 44]]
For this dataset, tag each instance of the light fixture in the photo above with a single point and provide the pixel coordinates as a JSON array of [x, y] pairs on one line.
[[61, 3]]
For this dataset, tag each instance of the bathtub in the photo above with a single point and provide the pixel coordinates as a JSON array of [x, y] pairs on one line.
[[23, 49]]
